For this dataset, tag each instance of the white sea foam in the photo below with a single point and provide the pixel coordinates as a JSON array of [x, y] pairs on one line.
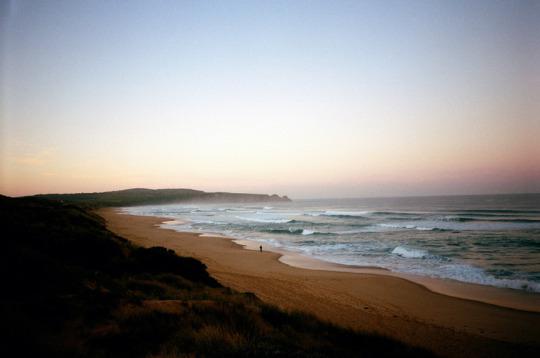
[[351, 232], [239, 210], [210, 222], [307, 232], [473, 274], [406, 226], [345, 213], [268, 221], [409, 253], [324, 250]]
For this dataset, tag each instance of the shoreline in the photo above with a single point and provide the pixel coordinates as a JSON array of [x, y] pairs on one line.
[[367, 299], [498, 296]]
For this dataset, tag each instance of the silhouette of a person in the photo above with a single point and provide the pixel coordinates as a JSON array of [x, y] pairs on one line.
[[260, 248]]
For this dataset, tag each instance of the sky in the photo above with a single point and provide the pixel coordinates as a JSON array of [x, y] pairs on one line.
[[310, 99]]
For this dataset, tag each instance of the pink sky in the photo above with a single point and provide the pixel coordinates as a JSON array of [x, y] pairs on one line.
[[307, 99]]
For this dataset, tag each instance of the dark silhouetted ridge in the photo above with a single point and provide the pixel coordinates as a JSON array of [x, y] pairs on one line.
[[140, 196]]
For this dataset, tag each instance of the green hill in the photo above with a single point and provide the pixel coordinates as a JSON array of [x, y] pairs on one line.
[[140, 196]]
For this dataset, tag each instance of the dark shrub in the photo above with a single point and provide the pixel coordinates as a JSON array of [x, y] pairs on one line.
[[161, 260]]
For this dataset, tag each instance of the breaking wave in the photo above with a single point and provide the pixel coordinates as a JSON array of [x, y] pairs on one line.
[[409, 253]]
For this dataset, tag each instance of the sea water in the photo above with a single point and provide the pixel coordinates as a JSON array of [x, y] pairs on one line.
[[490, 240]]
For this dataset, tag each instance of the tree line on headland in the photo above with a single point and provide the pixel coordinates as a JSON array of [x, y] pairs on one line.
[[141, 196]]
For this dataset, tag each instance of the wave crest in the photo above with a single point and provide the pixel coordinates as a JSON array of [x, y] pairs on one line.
[[266, 221], [409, 253]]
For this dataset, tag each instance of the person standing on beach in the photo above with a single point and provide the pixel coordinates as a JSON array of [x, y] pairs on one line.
[[260, 248]]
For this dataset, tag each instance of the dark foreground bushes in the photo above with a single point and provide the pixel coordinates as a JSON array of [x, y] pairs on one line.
[[71, 288], [159, 260]]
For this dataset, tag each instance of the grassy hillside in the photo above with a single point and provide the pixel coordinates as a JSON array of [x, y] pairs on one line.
[[132, 197], [71, 288]]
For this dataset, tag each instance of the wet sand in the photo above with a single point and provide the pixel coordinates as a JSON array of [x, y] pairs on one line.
[[367, 299]]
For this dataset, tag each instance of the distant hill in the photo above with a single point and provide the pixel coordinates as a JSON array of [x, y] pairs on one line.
[[140, 196]]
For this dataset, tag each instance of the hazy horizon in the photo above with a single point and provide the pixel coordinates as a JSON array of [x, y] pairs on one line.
[[311, 198], [306, 99]]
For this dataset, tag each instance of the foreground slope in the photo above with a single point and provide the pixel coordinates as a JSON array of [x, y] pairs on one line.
[[73, 288]]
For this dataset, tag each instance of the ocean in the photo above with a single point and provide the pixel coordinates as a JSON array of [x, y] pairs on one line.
[[489, 240]]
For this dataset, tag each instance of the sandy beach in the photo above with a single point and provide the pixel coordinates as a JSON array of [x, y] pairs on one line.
[[425, 313]]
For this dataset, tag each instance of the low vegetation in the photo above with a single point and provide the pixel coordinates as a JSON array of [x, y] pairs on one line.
[[74, 289], [139, 196]]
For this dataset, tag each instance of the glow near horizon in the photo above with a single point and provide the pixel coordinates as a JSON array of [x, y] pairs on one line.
[[308, 99]]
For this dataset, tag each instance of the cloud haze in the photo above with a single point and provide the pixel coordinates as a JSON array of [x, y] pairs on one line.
[[309, 99]]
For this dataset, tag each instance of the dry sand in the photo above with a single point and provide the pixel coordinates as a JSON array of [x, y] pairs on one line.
[[371, 300]]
